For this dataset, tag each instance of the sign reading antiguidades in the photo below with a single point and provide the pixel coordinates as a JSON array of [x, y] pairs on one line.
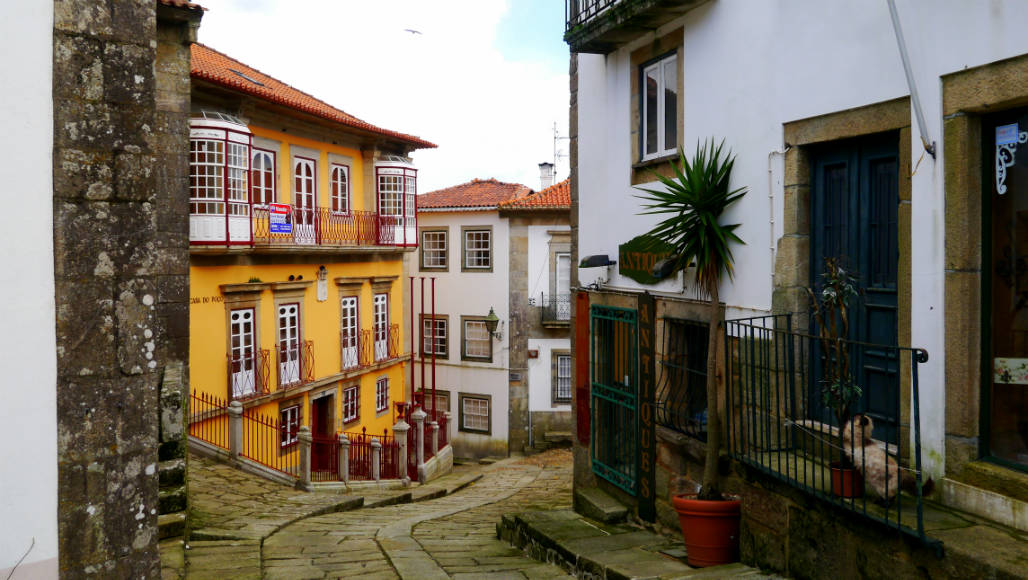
[[638, 256], [647, 398]]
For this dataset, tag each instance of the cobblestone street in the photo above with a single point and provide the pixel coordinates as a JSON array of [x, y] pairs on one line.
[[452, 536], [246, 527]]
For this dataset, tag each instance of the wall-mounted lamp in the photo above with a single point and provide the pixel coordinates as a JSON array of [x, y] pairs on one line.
[[596, 261], [491, 321]]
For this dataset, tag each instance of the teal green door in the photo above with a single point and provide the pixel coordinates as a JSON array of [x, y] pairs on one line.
[[614, 379], [854, 214]]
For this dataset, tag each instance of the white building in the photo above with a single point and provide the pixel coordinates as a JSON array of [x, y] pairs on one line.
[[464, 246], [495, 248], [893, 139]]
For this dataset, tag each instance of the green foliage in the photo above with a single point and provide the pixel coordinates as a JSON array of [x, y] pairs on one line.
[[830, 308], [254, 280], [694, 202]]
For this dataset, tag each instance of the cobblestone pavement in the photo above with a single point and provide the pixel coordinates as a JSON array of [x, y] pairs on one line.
[[449, 537]]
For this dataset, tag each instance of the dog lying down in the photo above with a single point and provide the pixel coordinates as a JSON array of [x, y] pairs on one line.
[[882, 475]]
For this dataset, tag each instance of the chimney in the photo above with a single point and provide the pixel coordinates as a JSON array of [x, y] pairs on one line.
[[545, 175]]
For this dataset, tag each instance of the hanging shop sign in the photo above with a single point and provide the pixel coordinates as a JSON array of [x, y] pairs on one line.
[[638, 256]]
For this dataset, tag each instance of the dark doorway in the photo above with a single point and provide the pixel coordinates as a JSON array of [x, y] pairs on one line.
[[1004, 430], [323, 456], [854, 218]]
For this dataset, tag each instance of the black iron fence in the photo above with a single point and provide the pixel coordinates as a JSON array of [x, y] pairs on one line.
[[778, 421]]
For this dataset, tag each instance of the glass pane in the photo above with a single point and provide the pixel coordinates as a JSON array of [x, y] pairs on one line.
[[650, 110], [671, 103]]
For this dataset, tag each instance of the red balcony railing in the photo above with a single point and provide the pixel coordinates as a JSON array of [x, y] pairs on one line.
[[377, 346], [248, 375], [295, 364], [318, 226]]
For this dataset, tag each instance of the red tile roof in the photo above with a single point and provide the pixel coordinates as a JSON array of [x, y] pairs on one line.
[[181, 4], [556, 196], [477, 193], [219, 68]]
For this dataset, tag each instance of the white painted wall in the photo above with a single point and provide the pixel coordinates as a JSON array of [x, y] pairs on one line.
[[539, 373], [539, 258], [28, 417], [749, 67], [470, 294]]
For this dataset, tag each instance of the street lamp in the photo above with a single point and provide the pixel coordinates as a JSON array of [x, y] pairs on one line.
[[490, 323]]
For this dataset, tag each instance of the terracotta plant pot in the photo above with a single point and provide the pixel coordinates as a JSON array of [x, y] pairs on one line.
[[846, 481], [710, 529]]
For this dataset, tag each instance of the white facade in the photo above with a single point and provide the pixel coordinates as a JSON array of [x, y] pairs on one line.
[[28, 421], [466, 293], [750, 67], [540, 270]]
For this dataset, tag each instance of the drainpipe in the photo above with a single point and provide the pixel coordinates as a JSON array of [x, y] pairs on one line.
[[771, 208], [929, 146]]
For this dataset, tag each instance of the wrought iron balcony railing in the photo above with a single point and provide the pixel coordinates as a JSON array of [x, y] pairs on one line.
[[778, 422], [600, 26], [295, 364], [302, 228], [556, 308], [379, 345], [248, 375]]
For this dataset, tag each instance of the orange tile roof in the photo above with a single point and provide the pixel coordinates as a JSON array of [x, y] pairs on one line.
[[219, 68], [477, 193], [556, 196], [181, 4]]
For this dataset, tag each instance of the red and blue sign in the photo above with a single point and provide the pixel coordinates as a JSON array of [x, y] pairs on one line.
[[279, 218]]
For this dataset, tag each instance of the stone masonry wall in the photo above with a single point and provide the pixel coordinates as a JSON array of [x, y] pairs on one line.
[[114, 304], [176, 29]]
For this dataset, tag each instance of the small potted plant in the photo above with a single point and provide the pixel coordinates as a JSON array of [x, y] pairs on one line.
[[694, 202], [830, 309]]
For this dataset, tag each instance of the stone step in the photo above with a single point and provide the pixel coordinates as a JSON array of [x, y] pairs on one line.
[[558, 437], [171, 525], [172, 472], [596, 504]]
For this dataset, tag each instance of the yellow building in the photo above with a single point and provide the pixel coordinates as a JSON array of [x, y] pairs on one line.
[[300, 215]]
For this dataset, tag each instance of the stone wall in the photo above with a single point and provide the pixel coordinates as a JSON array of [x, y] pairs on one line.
[[176, 29], [121, 259]]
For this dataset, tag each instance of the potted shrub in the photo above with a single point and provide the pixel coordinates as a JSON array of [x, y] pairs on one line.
[[694, 201], [839, 391]]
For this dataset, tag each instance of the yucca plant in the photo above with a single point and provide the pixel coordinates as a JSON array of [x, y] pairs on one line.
[[694, 201]]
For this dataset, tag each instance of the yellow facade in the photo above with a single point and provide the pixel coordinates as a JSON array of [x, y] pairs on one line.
[[242, 278]]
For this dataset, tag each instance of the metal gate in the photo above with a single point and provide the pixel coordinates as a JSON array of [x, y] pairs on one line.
[[615, 395]]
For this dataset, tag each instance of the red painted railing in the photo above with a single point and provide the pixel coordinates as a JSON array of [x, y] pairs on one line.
[[208, 419], [263, 439], [319, 226], [248, 375], [295, 364], [324, 458], [384, 348]]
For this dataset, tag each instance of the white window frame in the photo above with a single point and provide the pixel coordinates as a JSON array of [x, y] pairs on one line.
[[339, 192], [471, 406], [435, 337], [290, 416], [482, 259], [207, 176], [468, 339], [243, 350], [663, 148], [351, 404], [562, 393], [380, 328], [435, 250], [262, 194], [349, 320], [289, 346], [382, 394]]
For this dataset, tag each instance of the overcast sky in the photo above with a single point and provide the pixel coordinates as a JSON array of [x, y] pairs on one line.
[[485, 80]]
